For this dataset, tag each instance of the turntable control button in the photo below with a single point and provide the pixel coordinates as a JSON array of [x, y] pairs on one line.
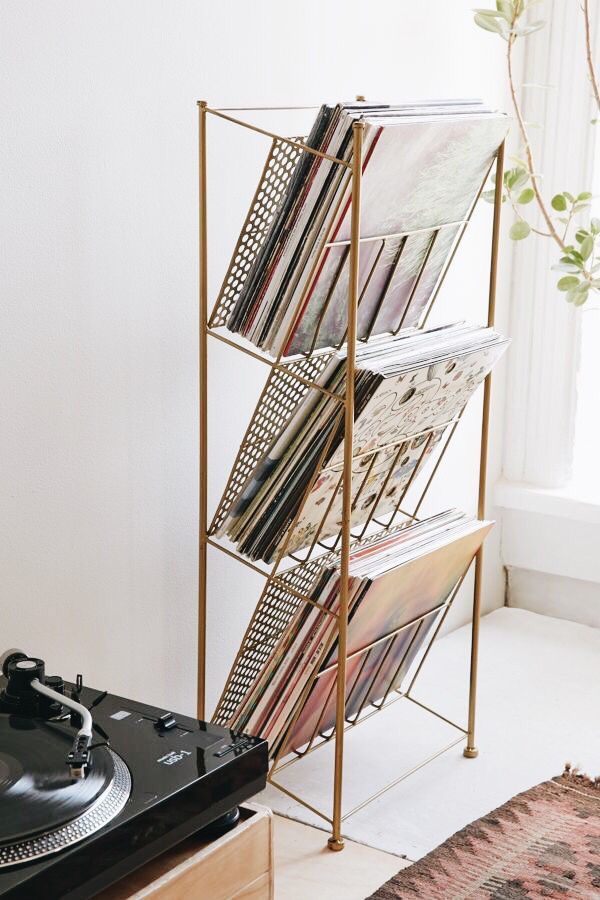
[[56, 683], [165, 722]]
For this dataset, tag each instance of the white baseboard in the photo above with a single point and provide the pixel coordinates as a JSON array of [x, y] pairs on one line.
[[554, 595]]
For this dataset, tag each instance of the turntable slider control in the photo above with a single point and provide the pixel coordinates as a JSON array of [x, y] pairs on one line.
[[165, 722]]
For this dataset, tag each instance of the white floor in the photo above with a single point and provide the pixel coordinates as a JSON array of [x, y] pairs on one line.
[[538, 706]]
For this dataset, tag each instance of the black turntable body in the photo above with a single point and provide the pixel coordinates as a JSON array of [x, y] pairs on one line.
[[88, 797]]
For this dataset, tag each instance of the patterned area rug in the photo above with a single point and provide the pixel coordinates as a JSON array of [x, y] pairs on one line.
[[544, 842]]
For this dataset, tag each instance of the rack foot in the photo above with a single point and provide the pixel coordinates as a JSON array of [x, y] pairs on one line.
[[471, 752], [335, 844]]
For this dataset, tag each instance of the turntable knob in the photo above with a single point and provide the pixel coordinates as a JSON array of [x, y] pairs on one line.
[[56, 683]]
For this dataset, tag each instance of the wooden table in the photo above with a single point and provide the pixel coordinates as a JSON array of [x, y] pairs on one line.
[[236, 866]]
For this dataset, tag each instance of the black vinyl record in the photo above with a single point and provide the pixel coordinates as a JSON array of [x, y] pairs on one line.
[[37, 792]]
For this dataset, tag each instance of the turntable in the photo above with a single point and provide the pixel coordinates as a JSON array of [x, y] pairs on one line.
[[92, 785]]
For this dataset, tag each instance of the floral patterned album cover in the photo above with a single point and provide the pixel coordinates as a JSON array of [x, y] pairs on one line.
[[417, 401], [423, 165]]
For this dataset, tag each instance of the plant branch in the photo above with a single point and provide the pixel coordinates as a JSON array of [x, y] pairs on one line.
[[528, 151], [588, 50]]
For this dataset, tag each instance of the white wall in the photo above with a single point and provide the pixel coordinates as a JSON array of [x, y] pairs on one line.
[[99, 298]]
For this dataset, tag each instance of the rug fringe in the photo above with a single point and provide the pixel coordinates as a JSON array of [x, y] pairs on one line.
[[573, 775]]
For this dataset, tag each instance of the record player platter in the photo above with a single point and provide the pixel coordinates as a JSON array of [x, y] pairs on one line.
[[92, 785], [38, 794]]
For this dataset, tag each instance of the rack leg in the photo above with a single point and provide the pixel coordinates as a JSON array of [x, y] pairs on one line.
[[336, 842], [203, 400], [471, 750]]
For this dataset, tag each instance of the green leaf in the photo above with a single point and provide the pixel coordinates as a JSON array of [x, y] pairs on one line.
[[567, 283], [566, 267], [488, 196], [526, 196], [519, 230], [521, 178], [587, 245], [559, 202], [506, 9], [569, 196], [581, 294], [488, 23], [580, 235], [595, 226], [585, 195], [579, 207]]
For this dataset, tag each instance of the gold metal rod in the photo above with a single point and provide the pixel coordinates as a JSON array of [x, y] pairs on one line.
[[277, 367], [243, 232], [364, 291], [364, 481], [372, 517], [392, 681], [298, 799], [471, 750], [459, 238], [329, 216], [263, 108], [402, 512], [360, 298], [372, 681], [413, 475], [226, 500], [279, 137], [398, 234], [300, 596], [325, 740], [238, 557], [401, 778], [417, 281], [437, 630], [438, 462], [300, 703], [385, 637], [352, 719], [347, 727], [203, 411], [437, 714], [328, 297], [336, 842], [401, 440], [386, 286], [280, 556], [317, 727]]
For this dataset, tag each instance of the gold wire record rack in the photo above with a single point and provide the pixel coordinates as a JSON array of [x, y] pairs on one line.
[[288, 578]]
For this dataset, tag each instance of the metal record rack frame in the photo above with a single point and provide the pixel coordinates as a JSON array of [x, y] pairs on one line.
[[288, 380]]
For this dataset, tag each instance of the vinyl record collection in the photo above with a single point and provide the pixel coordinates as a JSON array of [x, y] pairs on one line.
[[422, 168], [408, 389], [422, 163], [398, 586]]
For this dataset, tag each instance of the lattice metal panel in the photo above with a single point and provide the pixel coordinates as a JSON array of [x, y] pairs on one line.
[[273, 614], [282, 394], [275, 177]]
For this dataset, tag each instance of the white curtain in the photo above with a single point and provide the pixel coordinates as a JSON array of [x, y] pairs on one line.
[[543, 360]]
